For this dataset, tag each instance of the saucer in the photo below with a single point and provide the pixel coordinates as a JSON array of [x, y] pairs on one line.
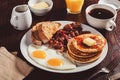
[[115, 4]]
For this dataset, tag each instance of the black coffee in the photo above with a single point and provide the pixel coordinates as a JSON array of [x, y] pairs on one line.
[[101, 13]]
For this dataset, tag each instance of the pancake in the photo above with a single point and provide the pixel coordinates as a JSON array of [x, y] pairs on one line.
[[100, 43], [78, 52], [83, 60], [73, 51]]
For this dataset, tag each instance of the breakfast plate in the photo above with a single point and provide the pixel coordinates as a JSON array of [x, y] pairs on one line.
[[26, 41]]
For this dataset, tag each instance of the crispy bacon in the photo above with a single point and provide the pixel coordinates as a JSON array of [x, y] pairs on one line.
[[60, 38]]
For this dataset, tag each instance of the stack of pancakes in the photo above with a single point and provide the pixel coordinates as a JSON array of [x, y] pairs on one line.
[[81, 53]]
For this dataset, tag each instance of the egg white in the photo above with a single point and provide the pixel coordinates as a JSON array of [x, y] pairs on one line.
[[51, 53]]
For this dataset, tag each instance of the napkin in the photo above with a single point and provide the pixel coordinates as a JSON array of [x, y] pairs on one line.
[[12, 67]]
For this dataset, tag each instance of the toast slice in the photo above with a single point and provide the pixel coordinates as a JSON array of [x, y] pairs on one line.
[[44, 31]]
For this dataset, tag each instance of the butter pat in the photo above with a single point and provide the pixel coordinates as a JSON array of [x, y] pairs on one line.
[[89, 41], [40, 5]]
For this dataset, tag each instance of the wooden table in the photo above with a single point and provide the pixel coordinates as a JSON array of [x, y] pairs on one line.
[[10, 38]]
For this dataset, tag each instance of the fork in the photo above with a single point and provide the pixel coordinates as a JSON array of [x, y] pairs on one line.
[[107, 69]]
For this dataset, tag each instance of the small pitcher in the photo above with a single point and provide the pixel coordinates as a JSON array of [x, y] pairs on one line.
[[21, 18]]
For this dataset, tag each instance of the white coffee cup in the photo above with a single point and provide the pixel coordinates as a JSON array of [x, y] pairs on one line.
[[21, 18], [108, 23]]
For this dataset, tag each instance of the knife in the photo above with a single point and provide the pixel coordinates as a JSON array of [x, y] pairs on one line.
[[110, 67]]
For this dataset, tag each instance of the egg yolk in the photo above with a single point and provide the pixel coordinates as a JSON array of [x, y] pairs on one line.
[[39, 54], [55, 62]]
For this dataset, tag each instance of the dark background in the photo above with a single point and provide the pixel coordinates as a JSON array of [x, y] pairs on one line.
[[10, 38]]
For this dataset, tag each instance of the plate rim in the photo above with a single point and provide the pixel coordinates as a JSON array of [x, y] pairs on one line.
[[63, 71]]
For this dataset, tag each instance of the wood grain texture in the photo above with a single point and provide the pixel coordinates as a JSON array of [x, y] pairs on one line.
[[10, 38]]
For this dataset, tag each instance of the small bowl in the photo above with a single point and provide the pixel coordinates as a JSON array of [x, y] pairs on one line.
[[40, 12]]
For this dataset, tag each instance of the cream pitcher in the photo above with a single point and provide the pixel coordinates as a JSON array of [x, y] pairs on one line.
[[21, 18]]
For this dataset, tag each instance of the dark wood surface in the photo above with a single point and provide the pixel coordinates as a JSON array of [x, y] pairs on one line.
[[10, 38]]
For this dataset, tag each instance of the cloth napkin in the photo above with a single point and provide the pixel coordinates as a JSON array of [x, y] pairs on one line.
[[12, 67]]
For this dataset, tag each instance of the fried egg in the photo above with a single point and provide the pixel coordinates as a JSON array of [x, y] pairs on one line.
[[49, 58]]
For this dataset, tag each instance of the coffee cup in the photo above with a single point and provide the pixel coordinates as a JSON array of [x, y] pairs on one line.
[[21, 18], [101, 16]]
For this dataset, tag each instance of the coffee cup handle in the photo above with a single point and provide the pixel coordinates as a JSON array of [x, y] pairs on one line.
[[14, 21], [110, 25]]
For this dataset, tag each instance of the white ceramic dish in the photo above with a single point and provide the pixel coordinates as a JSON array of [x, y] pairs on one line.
[[113, 3], [40, 12], [25, 41]]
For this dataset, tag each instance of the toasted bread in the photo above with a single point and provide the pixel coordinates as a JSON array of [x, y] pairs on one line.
[[35, 40], [43, 31]]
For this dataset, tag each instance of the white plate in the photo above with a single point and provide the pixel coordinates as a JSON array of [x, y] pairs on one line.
[[25, 41]]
